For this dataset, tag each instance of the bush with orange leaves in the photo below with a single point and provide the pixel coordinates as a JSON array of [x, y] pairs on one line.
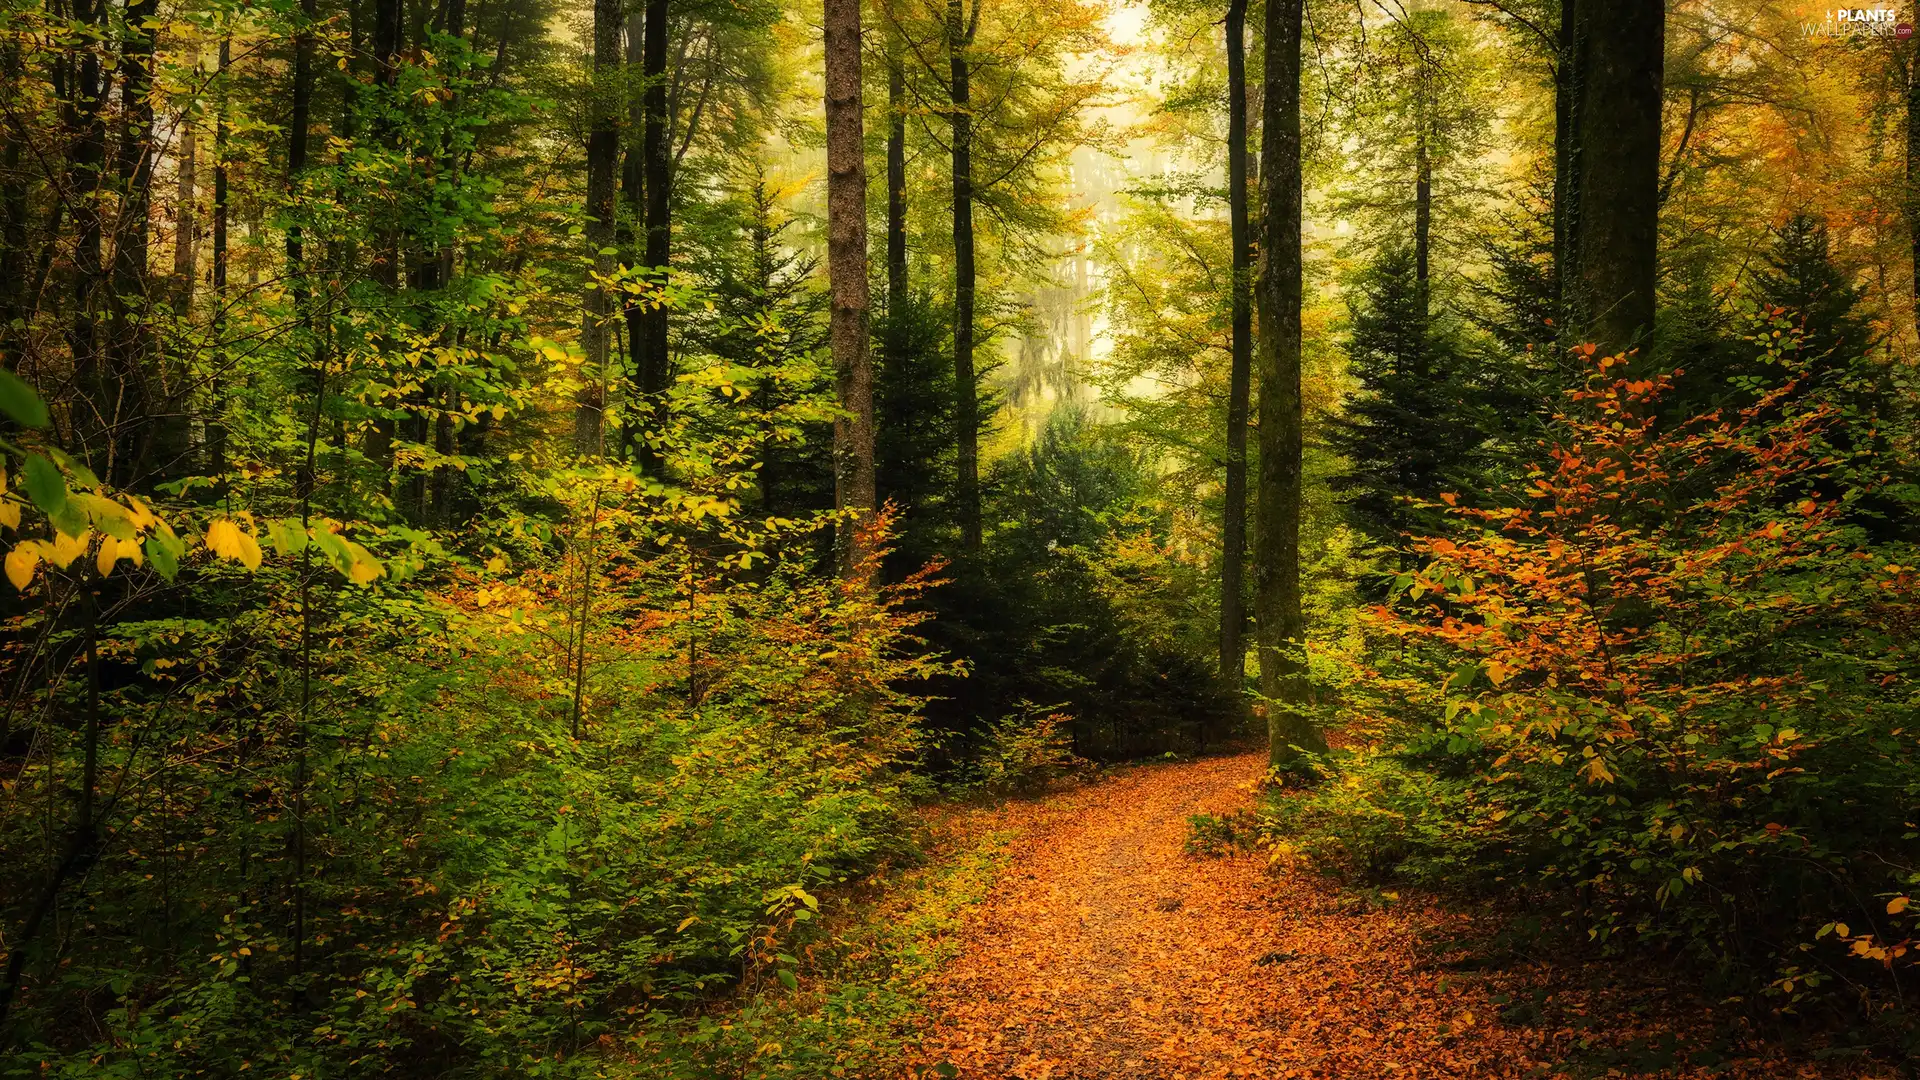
[[1673, 684]]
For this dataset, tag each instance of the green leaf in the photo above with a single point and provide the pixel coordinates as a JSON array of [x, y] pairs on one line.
[[20, 403], [45, 486], [788, 979], [287, 535], [163, 551]]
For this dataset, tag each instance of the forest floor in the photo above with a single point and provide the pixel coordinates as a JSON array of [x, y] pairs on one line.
[[1105, 951]]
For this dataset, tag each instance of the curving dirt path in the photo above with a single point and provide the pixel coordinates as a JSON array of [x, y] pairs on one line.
[[1104, 951]]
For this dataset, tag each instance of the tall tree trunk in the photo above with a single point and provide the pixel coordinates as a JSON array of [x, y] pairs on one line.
[[1276, 565], [603, 150], [1617, 133], [657, 164], [186, 219], [847, 281], [896, 185], [1913, 175], [217, 406], [1567, 86], [388, 27], [633, 223], [14, 299], [1233, 520], [87, 163], [1422, 203], [966, 403], [133, 392]]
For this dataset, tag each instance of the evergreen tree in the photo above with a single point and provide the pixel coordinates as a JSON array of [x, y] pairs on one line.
[[769, 314], [1410, 432]]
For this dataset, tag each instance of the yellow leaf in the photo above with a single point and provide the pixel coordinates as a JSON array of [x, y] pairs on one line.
[[10, 514], [1898, 904], [20, 563], [113, 550], [66, 548], [686, 922], [225, 539]]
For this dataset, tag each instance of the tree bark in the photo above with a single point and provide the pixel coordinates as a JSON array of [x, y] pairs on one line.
[[1913, 175], [847, 283], [1280, 621], [186, 220], [603, 149], [217, 407], [1616, 179], [1233, 531], [966, 405], [896, 182], [1422, 206], [657, 164], [13, 218], [1566, 155]]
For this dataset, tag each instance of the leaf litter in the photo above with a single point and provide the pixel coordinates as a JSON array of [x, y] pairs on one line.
[[1106, 951]]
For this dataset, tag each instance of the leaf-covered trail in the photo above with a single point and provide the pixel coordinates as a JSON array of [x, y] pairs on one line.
[[1105, 951]]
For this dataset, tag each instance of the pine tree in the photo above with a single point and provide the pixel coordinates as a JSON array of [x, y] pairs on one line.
[[1410, 433]]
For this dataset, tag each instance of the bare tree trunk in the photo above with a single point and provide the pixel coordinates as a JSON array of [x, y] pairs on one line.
[[633, 223], [896, 184], [966, 405], [603, 150], [1617, 178], [1233, 519], [186, 220], [14, 299], [1913, 175], [1422, 205], [1276, 564], [1567, 87], [217, 407], [657, 163], [849, 298]]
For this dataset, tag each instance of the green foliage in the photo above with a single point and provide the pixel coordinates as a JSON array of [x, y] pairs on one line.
[[1412, 430]]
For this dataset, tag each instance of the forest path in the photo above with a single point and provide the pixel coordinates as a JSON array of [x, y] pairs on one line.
[[1104, 951]]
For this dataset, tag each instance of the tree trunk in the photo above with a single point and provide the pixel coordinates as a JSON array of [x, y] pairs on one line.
[[1567, 87], [966, 405], [1422, 208], [633, 223], [1617, 175], [896, 184], [217, 407], [847, 282], [13, 217], [86, 167], [603, 151], [657, 165], [1913, 175], [186, 222], [1233, 522], [1276, 573]]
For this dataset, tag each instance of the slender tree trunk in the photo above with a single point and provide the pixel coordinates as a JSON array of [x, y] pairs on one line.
[[14, 299], [387, 31], [1233, 521], [128, 300], [1276, 563], [1422, 209], [633, 224], [657, 164], [847, 280], [966, 404], [87, 167], [1913, 175], [896, 186], [186, 218], [1615, 182], [1567, 85], [217, 407], [603, 150]]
